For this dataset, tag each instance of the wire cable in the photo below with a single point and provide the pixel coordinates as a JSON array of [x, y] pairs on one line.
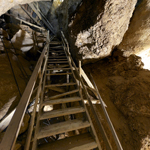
[[11, 68]]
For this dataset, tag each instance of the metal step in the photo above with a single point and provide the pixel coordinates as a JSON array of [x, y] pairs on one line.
[[57, 62], [54, 51], [62, 84], [78, 142], [55, 43], [66, 65], [62, 100], [55, 74], [63, 94], [62, 127], [52, 59], [57, 89], [87, 146], [56, 47], [57, 57], [61, 112], [59, 69]]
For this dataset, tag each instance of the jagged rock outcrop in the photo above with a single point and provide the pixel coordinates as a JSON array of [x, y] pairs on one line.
[[98, 26], [137, 38], [60, 11]]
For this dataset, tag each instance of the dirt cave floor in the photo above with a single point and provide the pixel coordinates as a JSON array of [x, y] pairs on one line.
[[125, 88]]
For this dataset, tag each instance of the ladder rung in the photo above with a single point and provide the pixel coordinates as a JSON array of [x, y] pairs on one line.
[[62, 112], [56, 47], [56, 51], [58, 66], [63, 84], [55, 74], [78, 142], [55, 43], [59, 69], [57, 62], [63, 94], [57, 59], [62, 127], [61, 54], [87, 146], [61, 100]]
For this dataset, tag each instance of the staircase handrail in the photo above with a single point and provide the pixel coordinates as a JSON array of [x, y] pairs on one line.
[[116, 139], [9, 139], [105, 138]]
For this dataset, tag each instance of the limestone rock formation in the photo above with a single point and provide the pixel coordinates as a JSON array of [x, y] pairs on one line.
[[137, 38], [98, 26]]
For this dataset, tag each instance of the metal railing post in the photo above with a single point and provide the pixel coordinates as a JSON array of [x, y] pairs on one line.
[[80, 76]]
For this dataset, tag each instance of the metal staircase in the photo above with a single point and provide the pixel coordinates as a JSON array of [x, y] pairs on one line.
[[60, 119], [69, 108]]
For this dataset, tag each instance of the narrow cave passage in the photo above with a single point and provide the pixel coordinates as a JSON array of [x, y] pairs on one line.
[[110, 38]]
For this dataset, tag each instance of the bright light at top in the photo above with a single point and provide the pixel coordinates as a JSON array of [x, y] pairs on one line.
[[145, 55], [58, 0]]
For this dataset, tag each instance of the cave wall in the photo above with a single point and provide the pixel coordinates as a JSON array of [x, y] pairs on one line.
[[137, 38], [59, 13], [98, 26]]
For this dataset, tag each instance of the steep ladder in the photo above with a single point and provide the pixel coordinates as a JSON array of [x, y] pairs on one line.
[[68, 125]]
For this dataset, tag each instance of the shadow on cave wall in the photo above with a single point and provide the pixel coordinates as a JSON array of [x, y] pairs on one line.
[[86, 15]]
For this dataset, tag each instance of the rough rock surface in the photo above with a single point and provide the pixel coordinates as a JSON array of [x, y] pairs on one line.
[[137, 38], [124, 85], [60, 11], [98, 26]]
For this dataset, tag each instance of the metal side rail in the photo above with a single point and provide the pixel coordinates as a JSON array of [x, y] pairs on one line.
[[69, 114], [21, 21], [119, 146], [104, 136], [10, 137], [37, 16]]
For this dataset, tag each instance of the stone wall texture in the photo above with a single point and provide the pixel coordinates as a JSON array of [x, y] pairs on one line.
[[99, 26], [137, 38]]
